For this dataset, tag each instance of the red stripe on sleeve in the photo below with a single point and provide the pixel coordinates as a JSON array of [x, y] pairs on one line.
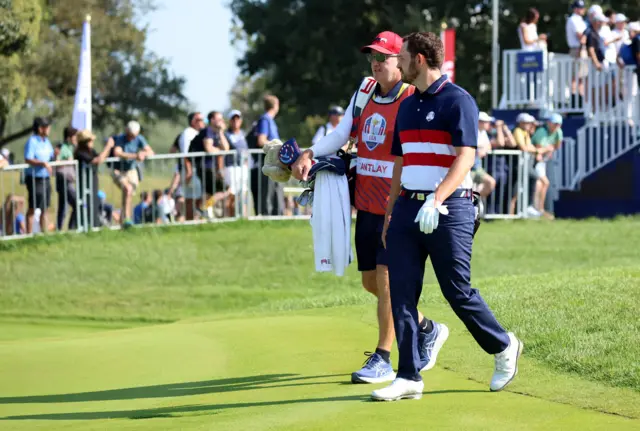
[[431, 136], [428, 159]]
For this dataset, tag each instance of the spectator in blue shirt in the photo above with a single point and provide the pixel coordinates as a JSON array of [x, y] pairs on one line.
[[132, 148], [38, 152], [268, 196]]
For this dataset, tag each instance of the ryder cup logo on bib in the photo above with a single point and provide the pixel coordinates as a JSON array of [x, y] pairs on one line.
[[374, 131]]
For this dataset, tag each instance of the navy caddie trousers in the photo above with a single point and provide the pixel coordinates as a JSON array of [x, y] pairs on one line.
[[449, 247]]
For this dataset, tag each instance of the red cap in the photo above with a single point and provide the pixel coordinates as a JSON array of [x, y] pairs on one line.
[[386, 42]]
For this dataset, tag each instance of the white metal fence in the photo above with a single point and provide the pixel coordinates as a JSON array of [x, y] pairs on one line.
[[565, 84], [188, 189]]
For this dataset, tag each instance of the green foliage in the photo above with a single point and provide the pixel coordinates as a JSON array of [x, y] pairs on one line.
[[128, 81], [311, 47], [19, 25]]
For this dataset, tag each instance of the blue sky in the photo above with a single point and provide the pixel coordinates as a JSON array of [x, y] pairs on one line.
[[194, 36]]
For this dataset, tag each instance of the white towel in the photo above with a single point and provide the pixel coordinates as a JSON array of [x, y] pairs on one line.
[[331, 223]]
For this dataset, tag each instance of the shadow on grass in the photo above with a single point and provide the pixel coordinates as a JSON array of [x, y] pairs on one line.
[[208, 409], [177, 389]]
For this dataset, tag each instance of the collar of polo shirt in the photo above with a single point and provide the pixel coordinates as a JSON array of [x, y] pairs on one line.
[[436, 87]]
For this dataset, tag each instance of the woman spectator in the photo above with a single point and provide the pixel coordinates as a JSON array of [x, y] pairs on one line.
[[528, 32], [88, 161], [66, 178]]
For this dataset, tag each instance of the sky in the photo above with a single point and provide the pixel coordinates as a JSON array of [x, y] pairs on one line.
[[194, 36]]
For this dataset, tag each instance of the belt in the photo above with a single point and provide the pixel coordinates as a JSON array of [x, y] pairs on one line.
[[421, 195]]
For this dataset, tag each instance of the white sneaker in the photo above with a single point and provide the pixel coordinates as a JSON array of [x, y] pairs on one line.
[[506, 364], [399, 389]]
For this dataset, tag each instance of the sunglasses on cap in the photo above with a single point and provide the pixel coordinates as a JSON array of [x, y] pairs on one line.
[[379, 57]]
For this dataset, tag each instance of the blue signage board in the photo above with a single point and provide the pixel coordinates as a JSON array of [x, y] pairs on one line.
[[529, 61]]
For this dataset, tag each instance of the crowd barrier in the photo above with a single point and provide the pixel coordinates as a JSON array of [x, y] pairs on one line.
[[190, 188]]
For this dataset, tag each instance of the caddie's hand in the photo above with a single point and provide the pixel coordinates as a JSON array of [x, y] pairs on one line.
[[300, 168], [385, 227], [429, 214]]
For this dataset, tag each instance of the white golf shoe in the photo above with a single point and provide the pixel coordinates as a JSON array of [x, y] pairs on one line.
[[506, 366], [399, 389]]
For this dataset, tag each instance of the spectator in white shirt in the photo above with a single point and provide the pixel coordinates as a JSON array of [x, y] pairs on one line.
[[576, 40], [609, 38], [621, 31], [484, 182], [528, 32], [335, 116], [193, 190]]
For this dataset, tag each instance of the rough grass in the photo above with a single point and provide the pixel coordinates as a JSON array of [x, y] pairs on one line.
[[569, 289]]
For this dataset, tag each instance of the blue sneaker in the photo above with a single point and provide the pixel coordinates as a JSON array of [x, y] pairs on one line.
[[375, 370], [430, 344]]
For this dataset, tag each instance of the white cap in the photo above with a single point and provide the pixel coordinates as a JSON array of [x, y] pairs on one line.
[[133, 127], [600, 17], [5, 152], [483, 116], [634, 26], [233, 113], [523, 117], [620, 17], [595, 9]]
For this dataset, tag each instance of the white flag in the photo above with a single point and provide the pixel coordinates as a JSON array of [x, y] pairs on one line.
[[82, 106]]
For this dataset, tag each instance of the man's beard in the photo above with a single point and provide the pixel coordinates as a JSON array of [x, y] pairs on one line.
[[410, 75]]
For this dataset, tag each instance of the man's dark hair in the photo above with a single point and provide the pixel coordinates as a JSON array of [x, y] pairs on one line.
[[68, 132], [531, 15], [212, 114], [427, 44], [144, 195], [609, 12], [269, 101], [191, 116]]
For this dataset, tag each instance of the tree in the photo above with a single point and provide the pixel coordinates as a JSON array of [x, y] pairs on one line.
[[128, 81], [19, 26], [311, 47]]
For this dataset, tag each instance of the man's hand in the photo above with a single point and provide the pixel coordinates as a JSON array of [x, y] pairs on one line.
[[387, 220], [429, 214], [140, 156], [49, 169], [300, 168]]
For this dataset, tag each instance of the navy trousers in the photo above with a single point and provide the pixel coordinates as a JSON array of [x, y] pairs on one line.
[[449, 247]]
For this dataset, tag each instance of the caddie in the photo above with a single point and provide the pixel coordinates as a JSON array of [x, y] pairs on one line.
[[368, 122]]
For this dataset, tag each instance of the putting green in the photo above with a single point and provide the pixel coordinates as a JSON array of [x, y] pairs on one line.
[[287, 371]]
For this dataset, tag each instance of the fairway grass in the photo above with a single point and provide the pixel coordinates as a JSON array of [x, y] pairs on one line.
[[283, 374], [89, 314]]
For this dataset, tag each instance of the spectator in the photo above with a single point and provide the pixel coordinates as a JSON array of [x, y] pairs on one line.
[[38, 152], [167, 206], [132, 148], [88, 161], [335, 116], [268, 196], [143, 212], [609, 37], [576, 40], [595, 44], [522, 136], [546, 139], [236, 174], [528, 32], [620, 31], [66, 178], [634, 29], [105, 209], [485, 182], [192, 192], [208, 170]]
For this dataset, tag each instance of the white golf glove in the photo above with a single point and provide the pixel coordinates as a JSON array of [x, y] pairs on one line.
[[429, 214]]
